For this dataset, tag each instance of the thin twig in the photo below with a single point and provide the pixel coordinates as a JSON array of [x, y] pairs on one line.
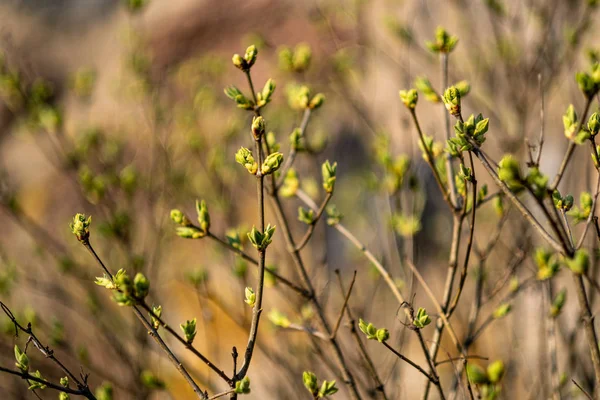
[[361, 346], [411, 362], [541, 140], [289, 161], [314, 222], [151, 330], [339, 320], [589, 396], [49, 384], [570, 149]]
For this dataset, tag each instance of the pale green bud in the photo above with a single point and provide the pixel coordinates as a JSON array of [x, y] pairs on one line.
[[558, 302], [189, 232], [444, 43], [310, 382], [271, 163], [243, 386], [594, 124], [141, 286], [317, 101], [502, 310], [328, 171], [509, 172], [301, 58], [203, 215], [151, 381], [586, 84], [250, 296], [239, 62], [279, 319], [463, 88], [333, 215], [80, 226], [236, 95], [495, 371], [267, 92], [368, 329], [570, 122], [250, 56], [189, 330], [382, 335], [423, 84], [244, 157], [579, 263], [258, 127], [291, 183], [157, 310], [261, 240], [422, 319], [409, 98], [22, 359], [476, 374], [451, 100], [306, 215], [178, 217], [327, 389]]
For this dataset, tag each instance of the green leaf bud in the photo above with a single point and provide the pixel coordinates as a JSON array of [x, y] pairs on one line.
[[301, 57], [178, 217], [382, 335], [423, 84], [291, 183], [310, 382], [317, 101], [239, 62], [250, 296], [502, 310], [328, 172], [594, 124], [141, 286], [258, 127], [271, 163], [463, 88], [279, 319], [244, 157], [409, 98], [151, 381], [189, 232], [451, 99], [156, 310], [203, 216], [250, 56], [558, 302], [476, 374], [570, 122], [306, 215], [368, 329], [444, 42], [80, 226], [586, 84], [579, 263], [189, 330], [327, 389], [243, 386], [22, 359], [422, 319], [495, 371], [333, 215]]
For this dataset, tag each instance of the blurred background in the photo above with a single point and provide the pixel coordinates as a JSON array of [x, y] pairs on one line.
[[116, 109]]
